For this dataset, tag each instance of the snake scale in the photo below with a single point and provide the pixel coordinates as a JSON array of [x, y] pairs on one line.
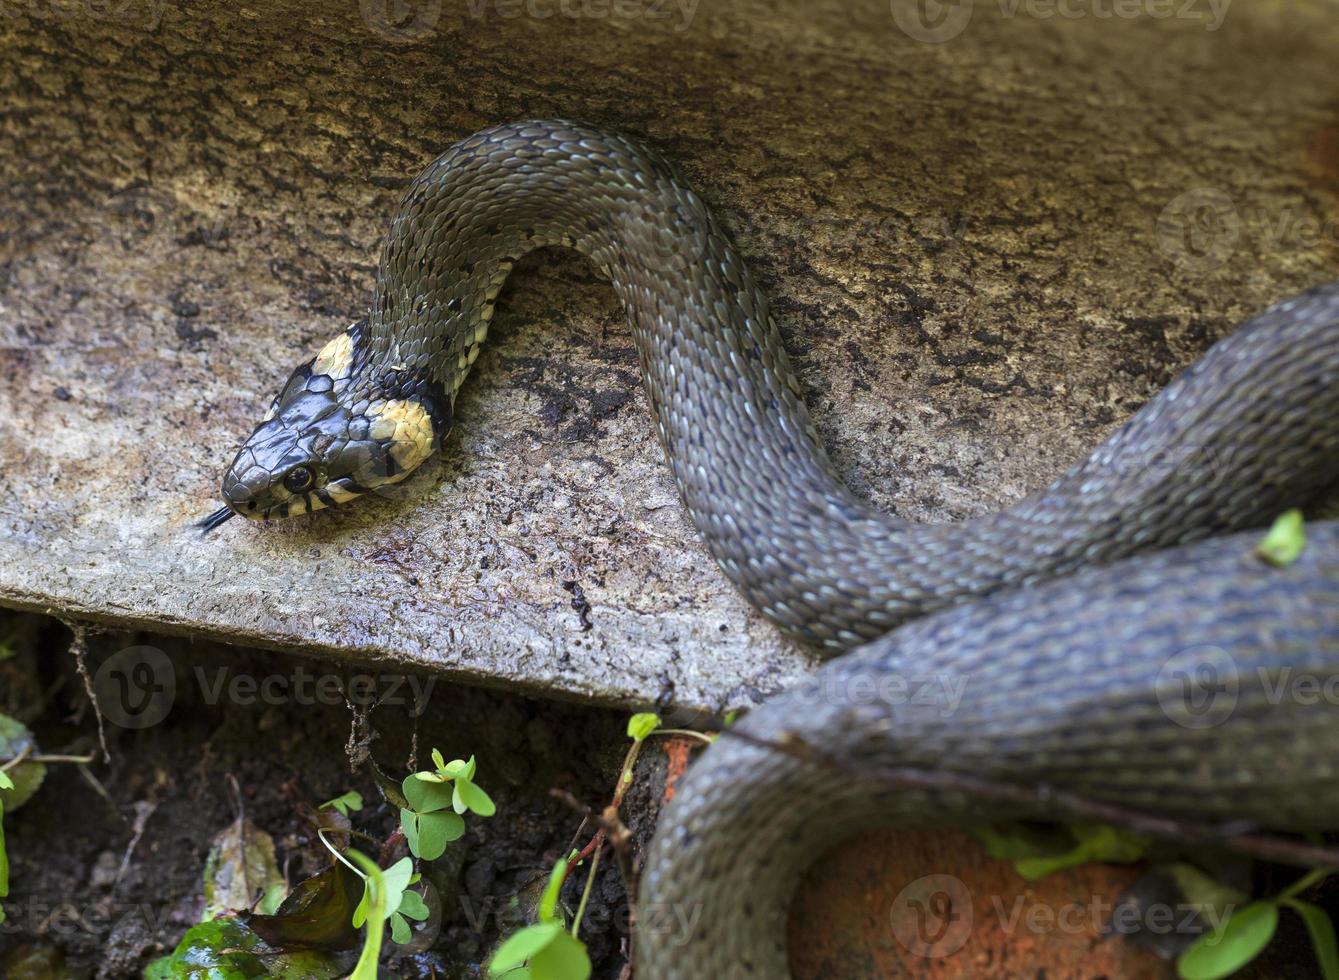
[[1063, 616]]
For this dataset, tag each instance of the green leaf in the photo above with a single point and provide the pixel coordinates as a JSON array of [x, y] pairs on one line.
[[409, 825], [1037, 854], [1321, 930], [1285, 541], [1104, 842], [548, 902], [394, 880], [401, 933], [1212, 898], [352, 800], [1232, 945], [397, 876], [459, 769], [26, 776], [437, 759], [413, 907], [214, 950], [476, 799], [366, 968], [523, 945], [562, 959], [1014, 842], [427, 797], [4, 862], [5, 781], [273, 898], [642, 724], [429, 833]]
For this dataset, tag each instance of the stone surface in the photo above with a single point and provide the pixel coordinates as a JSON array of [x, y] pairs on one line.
[[985, 252]]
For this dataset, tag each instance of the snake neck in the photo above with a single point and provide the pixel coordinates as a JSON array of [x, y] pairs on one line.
[[728, 406], [821, 564]]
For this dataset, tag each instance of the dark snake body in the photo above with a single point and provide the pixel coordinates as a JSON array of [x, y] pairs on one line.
[[1066, 682]]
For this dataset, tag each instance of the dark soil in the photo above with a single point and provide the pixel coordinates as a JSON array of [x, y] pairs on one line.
[[107, 860], [85, 885]]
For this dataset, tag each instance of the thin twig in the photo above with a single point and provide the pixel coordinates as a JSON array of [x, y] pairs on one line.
[[585, 892], [23, 756], [17, 760], [79, 649], [702, 737]]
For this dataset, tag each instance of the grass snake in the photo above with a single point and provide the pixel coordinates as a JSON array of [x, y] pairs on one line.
[[1073, 618]]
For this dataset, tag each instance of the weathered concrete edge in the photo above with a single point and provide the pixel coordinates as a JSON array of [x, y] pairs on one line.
[[475, 669]]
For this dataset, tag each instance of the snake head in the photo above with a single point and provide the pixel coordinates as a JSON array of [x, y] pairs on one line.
[[332, 435]]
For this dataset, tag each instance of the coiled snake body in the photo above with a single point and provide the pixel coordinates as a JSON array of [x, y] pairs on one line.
[[1070, 681]]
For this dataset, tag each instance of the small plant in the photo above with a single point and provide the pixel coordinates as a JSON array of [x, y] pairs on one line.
[[1285, 541], [545, 950], [1036, 854], [400, 904], [5, 783], [548, 949], [1248, 930], [1237, 939], [352, 800], [22, 769], [373, 908], [437, 798]]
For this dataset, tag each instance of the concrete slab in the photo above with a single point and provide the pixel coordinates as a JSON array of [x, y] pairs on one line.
[[986, 248]]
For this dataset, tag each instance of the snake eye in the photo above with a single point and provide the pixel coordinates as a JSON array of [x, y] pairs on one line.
[[298, 479]]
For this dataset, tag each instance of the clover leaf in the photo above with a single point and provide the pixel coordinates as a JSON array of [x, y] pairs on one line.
[[641, 725], [1285, 541], [352, 800]]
